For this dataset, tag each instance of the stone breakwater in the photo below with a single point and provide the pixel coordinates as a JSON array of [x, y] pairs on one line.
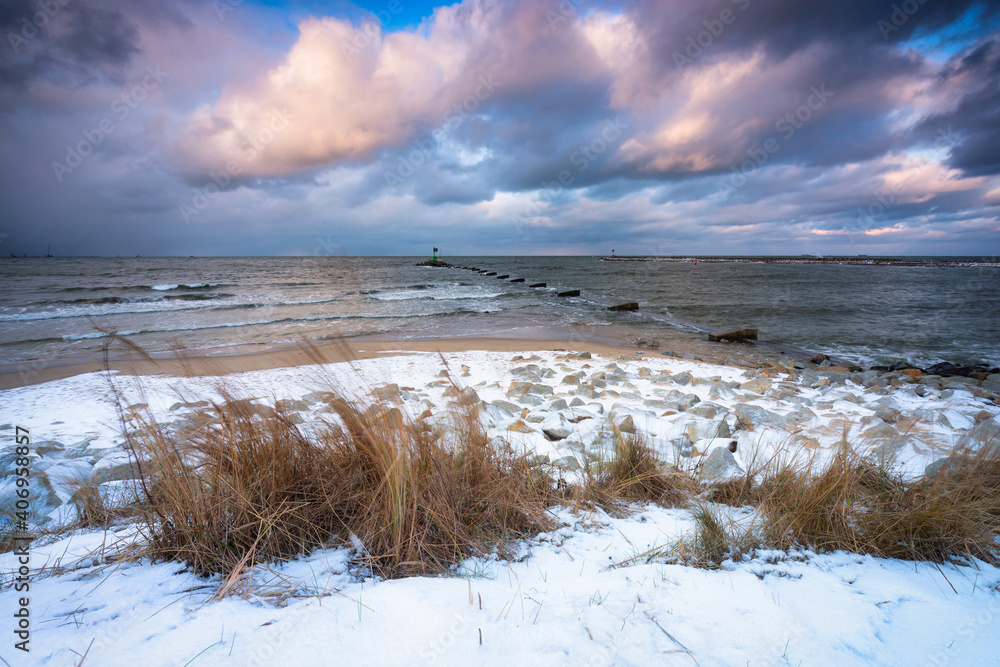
[[560, 408]]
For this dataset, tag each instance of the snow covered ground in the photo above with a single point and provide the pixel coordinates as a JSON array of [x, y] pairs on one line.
[[577, 595]]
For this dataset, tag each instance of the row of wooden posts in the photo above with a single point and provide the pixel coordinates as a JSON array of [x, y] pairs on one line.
[[573, 292], [725, 335]]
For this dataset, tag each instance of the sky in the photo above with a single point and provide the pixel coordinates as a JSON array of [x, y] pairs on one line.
[[302, 127]]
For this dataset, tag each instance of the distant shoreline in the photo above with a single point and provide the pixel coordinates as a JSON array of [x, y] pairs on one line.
[[856, 261]]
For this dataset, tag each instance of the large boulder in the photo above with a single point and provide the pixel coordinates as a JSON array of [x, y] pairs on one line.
[[986, 431], [880, 431], [555, 433], [753, 417], [757, 385], [389, 392], [720, 465], [889, 415]]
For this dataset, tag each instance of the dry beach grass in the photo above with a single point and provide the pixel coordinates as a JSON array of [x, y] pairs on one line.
[[249, 487], [240, 484]]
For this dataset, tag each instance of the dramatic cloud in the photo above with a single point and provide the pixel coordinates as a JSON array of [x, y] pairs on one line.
[[669, 126]]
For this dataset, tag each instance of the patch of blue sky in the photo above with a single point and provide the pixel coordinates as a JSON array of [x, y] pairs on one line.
[[940, 45], [392, 14]]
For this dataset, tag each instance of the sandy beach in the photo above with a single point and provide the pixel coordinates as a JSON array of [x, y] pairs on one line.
[[231, 360]]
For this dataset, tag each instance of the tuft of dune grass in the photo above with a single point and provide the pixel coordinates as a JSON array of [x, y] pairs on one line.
[[250, 487], [634, 474]]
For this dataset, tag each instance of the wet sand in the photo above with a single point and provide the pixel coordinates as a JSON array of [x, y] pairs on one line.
[[195, 363]]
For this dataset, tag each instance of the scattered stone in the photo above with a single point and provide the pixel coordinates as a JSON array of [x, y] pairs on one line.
[[290, 405], [389, 392], [576, 402], [802, 440], [42, 448], [985, 431], [749, 417], [938, 466], [567, 463], [887, 451], [743, 333], [706, 410], [683, 445], [520, 427], [586, 391], [720, 465], [757, 385], [632, 305], [626, 425], [881, 430], [682, 378], [570, 292], [506, 406], [800, 415], [571, 379], [982, 415], [889, 415], [555, 433], [182, 404]]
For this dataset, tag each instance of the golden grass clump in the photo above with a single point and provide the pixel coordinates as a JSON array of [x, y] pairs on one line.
[[247, 486], [634, 474], [863, 505], [419, 501], [244, 487]]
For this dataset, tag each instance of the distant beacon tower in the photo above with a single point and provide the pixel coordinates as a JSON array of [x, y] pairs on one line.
[[612, 252], [435, 254]]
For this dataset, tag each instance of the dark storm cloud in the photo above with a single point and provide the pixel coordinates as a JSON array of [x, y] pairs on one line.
[[974, 122], [783, 27], [388, 159], [72, 43]]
